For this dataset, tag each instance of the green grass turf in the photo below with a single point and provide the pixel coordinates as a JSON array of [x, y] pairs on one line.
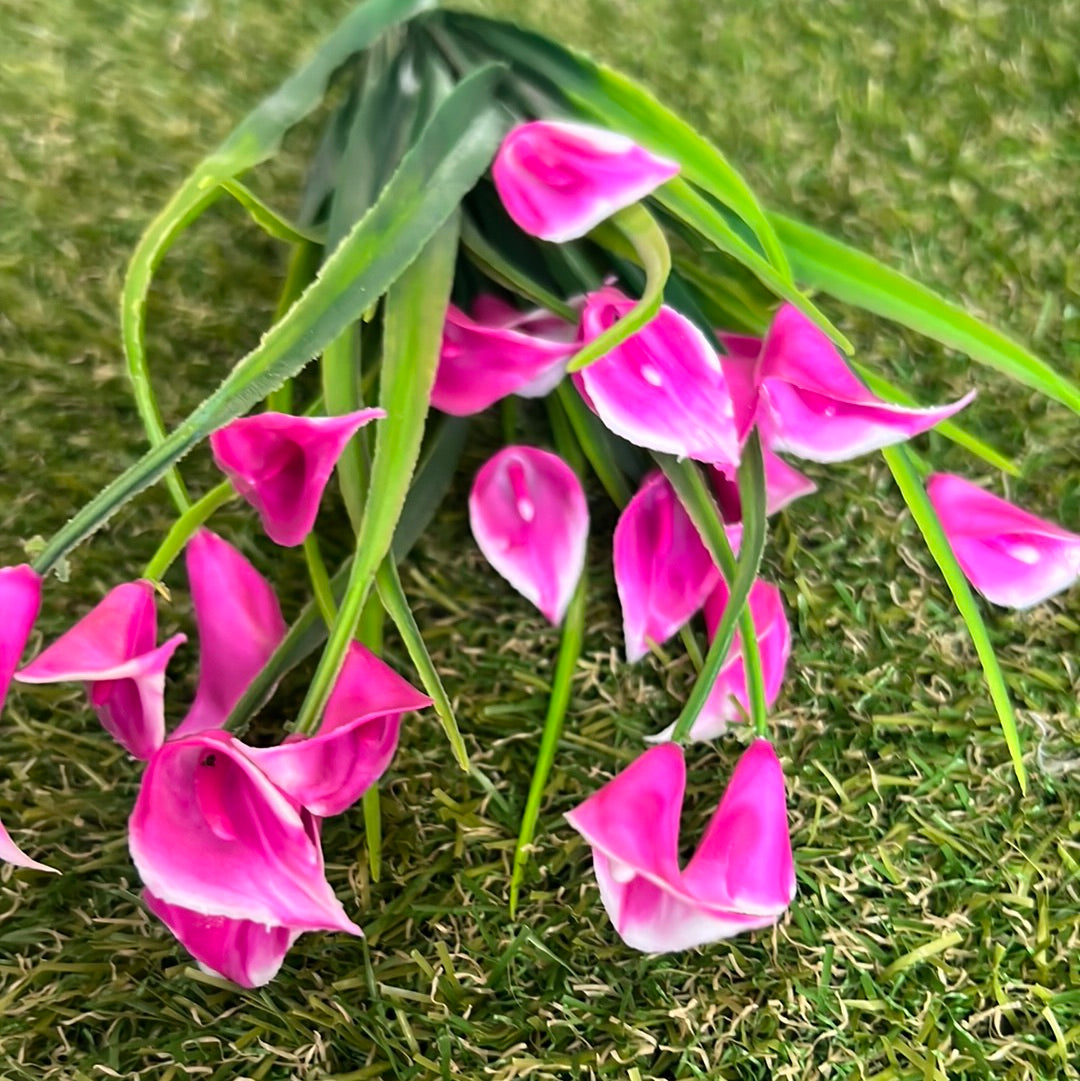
[[936, 930]]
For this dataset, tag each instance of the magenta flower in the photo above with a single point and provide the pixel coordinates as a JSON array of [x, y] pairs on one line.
[[240, 625], [663, 571], [528, 514], [558, 180], [783, 485], [328, 772], [664, 388], [741, 878], [496, 352], [728, 699], [281, 464], [113, 650], [1011, 557], [813, 406]]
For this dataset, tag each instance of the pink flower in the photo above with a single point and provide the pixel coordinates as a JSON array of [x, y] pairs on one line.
[[496, 352], [558, 180], [663, 572], [240, 626], [742, 876], [281, 464], [813, 406], [113, 651], [783, 485], [1011, 557], [664, 388], [728, 699], [528, 514]]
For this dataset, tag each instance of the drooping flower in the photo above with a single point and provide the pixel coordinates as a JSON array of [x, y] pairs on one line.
[[813, 406], [240, 625], [497, 351], [281, 464], [728, 699], [10, 852], [663, 571], [528, 514], [741, 878], [113, 650], [783, 485], [557, 180], [664, 388], [1009, 555], [328, 772], [20, 600]]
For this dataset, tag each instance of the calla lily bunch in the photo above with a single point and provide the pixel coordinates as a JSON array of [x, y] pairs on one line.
[[512, 252]]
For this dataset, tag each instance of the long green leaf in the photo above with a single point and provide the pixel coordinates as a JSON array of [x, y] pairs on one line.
[[859, 279], [455, 148], [922, 510]]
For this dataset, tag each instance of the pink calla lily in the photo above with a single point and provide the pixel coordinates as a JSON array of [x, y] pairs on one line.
[[1009, 555], [113, 651], [783, 485], [728, 699], [663, 572], [813, 406], [240, 625], [281, 464], [211, 833], [499, 351], [528, 514], [328, 772], [741, 878], [664, 388], [10, 852], [557, 180]]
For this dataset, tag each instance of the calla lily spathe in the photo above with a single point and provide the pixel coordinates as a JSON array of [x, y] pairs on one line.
[[281, 465], [557, 179], [742, 876], [664, 388], [113, 650], [528, 514], [1009, 555], [497, 351]]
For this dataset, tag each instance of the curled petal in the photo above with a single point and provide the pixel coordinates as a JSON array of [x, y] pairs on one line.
[[812, 405], [210, 832], [498, 352], [328, 772], [281, 464], [240, 626], [20, 600], [1010, 556], [112, 650], [783, 485], [663, 572], [10, 852], [741, 877], [664, 388], [558, 180], [248, 953], [528, 514]]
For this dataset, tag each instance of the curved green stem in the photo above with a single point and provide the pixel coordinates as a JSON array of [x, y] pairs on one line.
[[184, 528]]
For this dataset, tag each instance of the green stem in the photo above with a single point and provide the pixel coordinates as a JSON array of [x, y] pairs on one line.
[[320, 580], [573, 633], [595, 442], [303, 266], [341, 392], [184, 528]]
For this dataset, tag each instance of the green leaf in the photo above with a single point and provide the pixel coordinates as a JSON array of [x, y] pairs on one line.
[[268, 219], [859, 279], [922, 510], [455, 148]]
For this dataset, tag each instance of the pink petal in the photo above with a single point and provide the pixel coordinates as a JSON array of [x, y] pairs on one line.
[[112, 650], [248, 953], [742, 370], [783, 485], [240, 626], [281, 464], [812, 405], [1010, 556], [20, 599], [663, 572], [328, 772], [528, 514], [485, 359], [558, 180], [211, 833], [12, 853], [663, 388]]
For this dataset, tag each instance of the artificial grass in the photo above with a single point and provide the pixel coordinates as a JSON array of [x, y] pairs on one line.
[[936, 928]]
